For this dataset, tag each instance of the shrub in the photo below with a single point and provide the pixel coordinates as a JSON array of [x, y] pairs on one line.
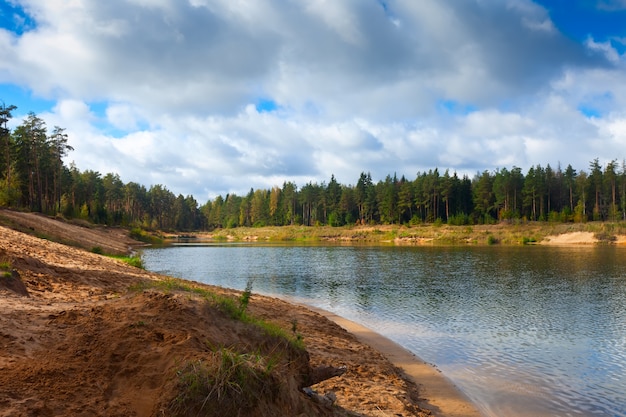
[[141, 235]]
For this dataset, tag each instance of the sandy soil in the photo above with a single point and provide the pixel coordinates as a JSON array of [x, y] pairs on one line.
[[74, 340], [573, 238], [112, 240]]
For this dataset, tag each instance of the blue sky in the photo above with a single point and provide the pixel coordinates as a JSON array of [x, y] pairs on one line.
[[209, 97], [578, 19]]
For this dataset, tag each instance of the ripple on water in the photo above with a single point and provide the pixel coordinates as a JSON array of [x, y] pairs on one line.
[[523, 331]]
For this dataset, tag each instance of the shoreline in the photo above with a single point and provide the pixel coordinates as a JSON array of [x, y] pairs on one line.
[[76, 338], [438, 393], [65, 286]]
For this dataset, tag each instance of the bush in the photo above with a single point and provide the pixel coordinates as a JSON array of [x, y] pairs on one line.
[[459, 220], [141, 235]]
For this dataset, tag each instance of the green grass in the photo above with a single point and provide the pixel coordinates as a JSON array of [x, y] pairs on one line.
[[98, 250], [234, 307], [224, 383], [133, 260], [5, 269]]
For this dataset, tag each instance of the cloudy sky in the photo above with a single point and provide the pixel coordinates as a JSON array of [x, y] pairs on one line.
[[214, 96]]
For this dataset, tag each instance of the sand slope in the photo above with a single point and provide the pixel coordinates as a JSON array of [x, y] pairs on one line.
[[81, 344]]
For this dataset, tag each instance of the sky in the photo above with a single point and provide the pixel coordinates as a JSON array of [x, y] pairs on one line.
[[209, 97]]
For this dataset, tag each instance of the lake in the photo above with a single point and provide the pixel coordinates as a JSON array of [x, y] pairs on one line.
[[522, 331]]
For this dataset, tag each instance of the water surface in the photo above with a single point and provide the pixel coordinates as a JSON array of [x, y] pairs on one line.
[[523, 331]]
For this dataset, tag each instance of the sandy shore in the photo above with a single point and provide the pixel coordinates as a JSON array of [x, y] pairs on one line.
[[440, 395], [574, 238], [76, 341]]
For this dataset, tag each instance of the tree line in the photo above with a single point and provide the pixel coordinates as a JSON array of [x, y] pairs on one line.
[[541, 194], [34, 177]]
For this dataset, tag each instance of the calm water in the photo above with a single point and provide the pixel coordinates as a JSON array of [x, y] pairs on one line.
[[523, 331]]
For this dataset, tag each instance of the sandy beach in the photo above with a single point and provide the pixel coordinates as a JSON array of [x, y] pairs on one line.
[[77, 340]]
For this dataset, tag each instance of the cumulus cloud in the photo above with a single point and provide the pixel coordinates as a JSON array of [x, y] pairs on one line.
[[164, 91]]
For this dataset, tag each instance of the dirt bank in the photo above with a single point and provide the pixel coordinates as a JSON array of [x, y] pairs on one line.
[[81, 234], [82, 334]]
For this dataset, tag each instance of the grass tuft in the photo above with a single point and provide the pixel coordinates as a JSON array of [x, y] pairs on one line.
[[227, 380], [133, 260], [5, 269]]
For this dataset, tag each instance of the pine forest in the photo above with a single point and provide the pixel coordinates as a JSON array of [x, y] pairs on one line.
[[33, 177]]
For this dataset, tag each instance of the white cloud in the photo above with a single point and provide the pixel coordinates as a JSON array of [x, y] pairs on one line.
[[124, 117], [604, 48], [164, 91]]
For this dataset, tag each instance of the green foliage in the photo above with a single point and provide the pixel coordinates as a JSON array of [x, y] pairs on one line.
[[9, 192], [141, 235], [244, 299], [459, 219], [33, 176]]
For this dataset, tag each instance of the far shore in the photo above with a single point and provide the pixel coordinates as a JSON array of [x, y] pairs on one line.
[[523, 233]]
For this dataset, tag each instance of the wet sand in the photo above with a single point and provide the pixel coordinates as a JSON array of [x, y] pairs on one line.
[[440, 395]]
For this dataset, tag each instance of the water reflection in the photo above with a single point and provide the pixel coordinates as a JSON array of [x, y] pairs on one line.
[[505, 323]]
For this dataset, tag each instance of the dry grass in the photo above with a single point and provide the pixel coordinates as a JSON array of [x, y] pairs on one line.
[[515, 233]]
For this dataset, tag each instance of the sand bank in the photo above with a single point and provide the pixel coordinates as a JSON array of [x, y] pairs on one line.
[[78, 337], [440, 395]]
